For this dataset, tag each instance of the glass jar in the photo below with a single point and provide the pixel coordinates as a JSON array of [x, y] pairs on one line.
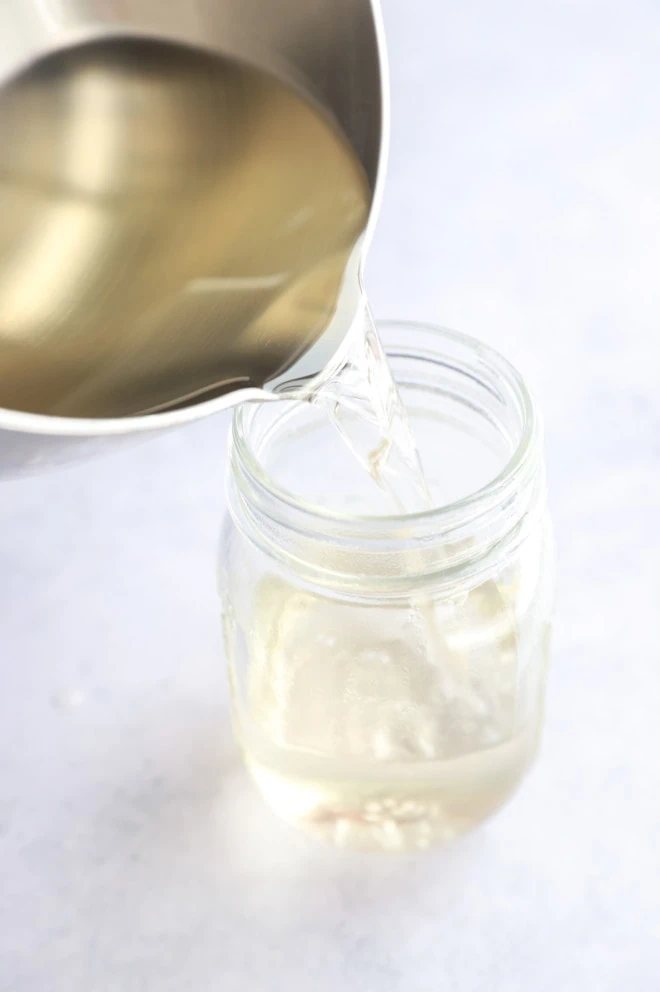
[[388, 671]]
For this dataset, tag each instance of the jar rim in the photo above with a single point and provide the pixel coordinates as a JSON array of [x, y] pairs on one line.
[[445, 517]]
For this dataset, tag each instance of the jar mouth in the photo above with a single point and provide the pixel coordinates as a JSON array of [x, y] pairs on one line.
[[433, 350]]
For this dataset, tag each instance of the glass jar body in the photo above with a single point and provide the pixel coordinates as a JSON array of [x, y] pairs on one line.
[[387, 677]]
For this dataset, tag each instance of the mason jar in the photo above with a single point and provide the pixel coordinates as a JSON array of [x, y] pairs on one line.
[[388, 670]]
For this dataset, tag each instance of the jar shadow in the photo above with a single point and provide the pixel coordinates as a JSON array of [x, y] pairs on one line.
[[193, 831]]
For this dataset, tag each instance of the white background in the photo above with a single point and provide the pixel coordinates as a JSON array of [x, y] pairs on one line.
[[523, 206]]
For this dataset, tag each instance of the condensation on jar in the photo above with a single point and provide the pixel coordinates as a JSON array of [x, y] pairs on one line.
[[388, 672]]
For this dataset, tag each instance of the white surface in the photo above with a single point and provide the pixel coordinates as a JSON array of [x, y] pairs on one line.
[[134, 854]]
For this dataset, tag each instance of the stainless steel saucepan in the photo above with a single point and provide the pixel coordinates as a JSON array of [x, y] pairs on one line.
[[187, 188]]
